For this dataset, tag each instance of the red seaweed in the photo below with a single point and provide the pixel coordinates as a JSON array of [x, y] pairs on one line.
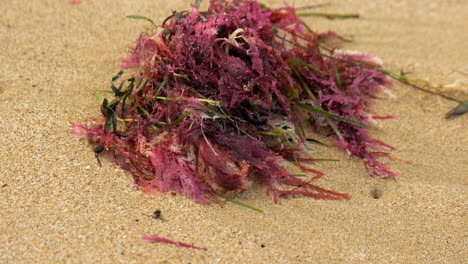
[[158, 239], [217, 99]]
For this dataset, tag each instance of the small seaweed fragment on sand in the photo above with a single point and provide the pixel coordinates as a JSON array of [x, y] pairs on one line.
[[460, 109], [221, 98], [158, 239]]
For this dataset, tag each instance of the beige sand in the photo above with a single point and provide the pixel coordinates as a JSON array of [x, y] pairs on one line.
[[57, 206]]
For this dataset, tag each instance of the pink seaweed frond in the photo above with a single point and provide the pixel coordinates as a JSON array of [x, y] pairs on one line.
[[158, 239]]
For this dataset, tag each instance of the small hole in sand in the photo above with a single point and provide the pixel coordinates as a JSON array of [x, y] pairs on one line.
[[376, 193]]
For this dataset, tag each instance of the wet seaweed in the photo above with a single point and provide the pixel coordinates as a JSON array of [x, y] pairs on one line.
[[220, 99]]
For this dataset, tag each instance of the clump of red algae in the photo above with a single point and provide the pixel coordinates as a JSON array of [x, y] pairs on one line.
[[218, 98]]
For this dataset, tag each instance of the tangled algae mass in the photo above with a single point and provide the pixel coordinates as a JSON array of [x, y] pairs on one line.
[[219, 99]]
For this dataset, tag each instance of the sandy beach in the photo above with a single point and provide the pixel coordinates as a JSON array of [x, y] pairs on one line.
[[58, 206]]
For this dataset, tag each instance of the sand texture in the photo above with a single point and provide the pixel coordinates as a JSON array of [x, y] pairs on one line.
[[58, 206]]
